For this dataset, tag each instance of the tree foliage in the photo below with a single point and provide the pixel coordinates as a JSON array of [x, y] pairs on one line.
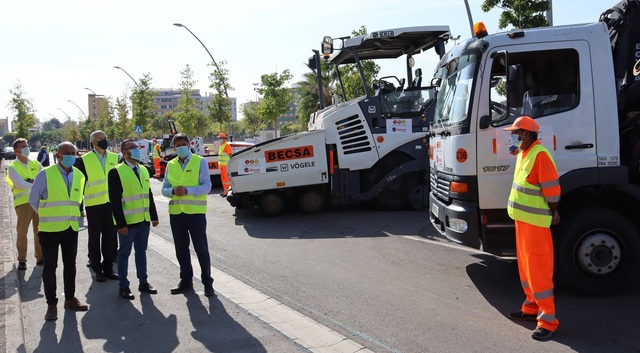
[[142, 103], [219, 106], [308, 98], [252, 122], [23, 109], [124, 126], [519, 13], [8, 138], [189, 118], [276, 96]]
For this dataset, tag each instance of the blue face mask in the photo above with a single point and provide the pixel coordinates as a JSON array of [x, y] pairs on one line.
[[68, 161], [515, 140], [182, 151], [25, 151], [135, 154]]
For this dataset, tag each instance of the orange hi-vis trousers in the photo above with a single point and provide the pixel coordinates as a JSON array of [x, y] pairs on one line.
[[224, 177], [157, 167], [534, 248]]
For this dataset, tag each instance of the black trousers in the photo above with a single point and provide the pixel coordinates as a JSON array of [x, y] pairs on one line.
[[67, 241], [186, 228], [102, 236]]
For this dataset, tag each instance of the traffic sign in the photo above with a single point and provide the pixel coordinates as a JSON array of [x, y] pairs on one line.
[[137, 129]]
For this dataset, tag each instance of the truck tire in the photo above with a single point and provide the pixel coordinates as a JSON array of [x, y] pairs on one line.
[[271, 204], [394, 196], [310, 200], [597, 251]]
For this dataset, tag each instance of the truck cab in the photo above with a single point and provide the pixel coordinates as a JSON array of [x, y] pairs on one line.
[[564, 77]]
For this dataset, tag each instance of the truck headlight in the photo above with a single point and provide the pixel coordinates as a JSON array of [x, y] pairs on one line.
[[458, 225]]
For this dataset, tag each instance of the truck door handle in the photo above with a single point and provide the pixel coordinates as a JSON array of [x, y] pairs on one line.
[[579, 147]]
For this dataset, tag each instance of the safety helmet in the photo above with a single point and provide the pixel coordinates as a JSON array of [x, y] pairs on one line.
[[222, 135]]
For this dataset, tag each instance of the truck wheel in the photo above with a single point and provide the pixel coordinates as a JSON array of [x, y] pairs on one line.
[[596, 251], [310, 200], [271, 204]]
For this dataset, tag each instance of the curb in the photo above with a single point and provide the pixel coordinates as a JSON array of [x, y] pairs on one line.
[[11, 315]]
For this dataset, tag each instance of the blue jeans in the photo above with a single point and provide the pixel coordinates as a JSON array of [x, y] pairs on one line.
[[138, 238]]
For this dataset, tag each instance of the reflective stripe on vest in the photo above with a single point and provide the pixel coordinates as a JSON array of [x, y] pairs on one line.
[[96, 190], [135, 194], [223, 157], [526, 202], [61, 209], [21, 196], [188, 204]]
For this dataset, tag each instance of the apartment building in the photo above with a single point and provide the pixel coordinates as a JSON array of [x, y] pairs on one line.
[[166, 100]]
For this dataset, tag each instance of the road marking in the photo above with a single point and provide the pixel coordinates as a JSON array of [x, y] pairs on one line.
[[442, 243], [305, 331]]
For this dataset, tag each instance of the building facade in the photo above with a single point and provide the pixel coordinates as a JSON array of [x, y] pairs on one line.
[[166, 101], [97, 103]]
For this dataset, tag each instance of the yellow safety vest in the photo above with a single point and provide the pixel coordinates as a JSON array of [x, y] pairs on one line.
[[21, 196], [188, 204], [97, 191], [526, 202], [223, 157], [156, 151], [135, 194], [61, 209]]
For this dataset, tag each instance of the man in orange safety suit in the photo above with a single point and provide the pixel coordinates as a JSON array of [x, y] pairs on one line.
[[224, 152], [533, 205], [156, 158]]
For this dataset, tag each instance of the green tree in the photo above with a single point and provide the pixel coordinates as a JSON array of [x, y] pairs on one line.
[[8, 138], [142, 103], [51, 124], [190, 119], [519, 13], [308, 98], [124, 126], [219, 106], [23, 109], [251, 123], [276, 97], [71, 131], [291, 128]]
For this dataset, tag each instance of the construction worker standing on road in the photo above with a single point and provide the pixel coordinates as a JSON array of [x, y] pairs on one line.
[[156, 158], [533, 205], [187, 183], [20, 175], [224, 152]]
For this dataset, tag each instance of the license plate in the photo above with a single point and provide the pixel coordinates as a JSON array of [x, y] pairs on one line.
[[434, 209]]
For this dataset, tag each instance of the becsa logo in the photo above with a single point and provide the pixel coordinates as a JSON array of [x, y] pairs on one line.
[[289, 154]]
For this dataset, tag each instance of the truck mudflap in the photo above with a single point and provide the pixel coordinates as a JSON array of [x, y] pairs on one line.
[[457, 222]]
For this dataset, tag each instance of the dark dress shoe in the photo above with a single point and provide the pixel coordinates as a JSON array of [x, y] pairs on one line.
[[89, 263], [22, 266], [111, 276], [100, 277], [126, 293], [208, 291], [40, 263], [147, 288], [182, 287]]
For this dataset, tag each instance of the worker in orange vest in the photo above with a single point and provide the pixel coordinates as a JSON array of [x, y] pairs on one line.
[[156, 158], [224, 152], [533, 205]]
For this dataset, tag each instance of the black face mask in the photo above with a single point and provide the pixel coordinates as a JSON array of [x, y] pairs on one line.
[[103, 144]]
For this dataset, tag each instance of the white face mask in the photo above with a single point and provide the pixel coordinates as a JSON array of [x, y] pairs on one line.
[[515, 140], [25, 151]]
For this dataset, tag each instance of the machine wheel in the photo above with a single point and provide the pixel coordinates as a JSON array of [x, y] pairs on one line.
[[394, 196], [596, 251], [271, 203], [310, 200]]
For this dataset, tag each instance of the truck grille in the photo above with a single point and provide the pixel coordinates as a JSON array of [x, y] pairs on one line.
[[440, 185], [353, 136]]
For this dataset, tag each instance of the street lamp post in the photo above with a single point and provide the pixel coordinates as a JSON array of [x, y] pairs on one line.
[[214, 63], [81, 111], [132, 79], [68, 117], [90, 90]]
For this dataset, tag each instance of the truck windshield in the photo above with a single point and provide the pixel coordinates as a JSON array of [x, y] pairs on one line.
[[452, 105]]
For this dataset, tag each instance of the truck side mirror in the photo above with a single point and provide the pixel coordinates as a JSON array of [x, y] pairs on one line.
[[327, 45]]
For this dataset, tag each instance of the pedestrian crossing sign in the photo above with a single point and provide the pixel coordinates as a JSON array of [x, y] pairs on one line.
[[137, 129]]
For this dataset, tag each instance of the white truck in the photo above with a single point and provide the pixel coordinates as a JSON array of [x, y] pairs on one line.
[[372, 148], [581, 83]]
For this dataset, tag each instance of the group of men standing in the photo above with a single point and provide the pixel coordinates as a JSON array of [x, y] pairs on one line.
[[118, 200]]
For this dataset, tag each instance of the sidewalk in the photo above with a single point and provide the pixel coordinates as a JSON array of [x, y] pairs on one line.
[[149, 323]]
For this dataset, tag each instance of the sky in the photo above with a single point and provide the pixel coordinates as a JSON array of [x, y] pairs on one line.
[[56, 49]]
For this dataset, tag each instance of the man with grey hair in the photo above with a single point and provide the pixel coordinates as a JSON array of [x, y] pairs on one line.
[[95, 165], [56, 195]]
